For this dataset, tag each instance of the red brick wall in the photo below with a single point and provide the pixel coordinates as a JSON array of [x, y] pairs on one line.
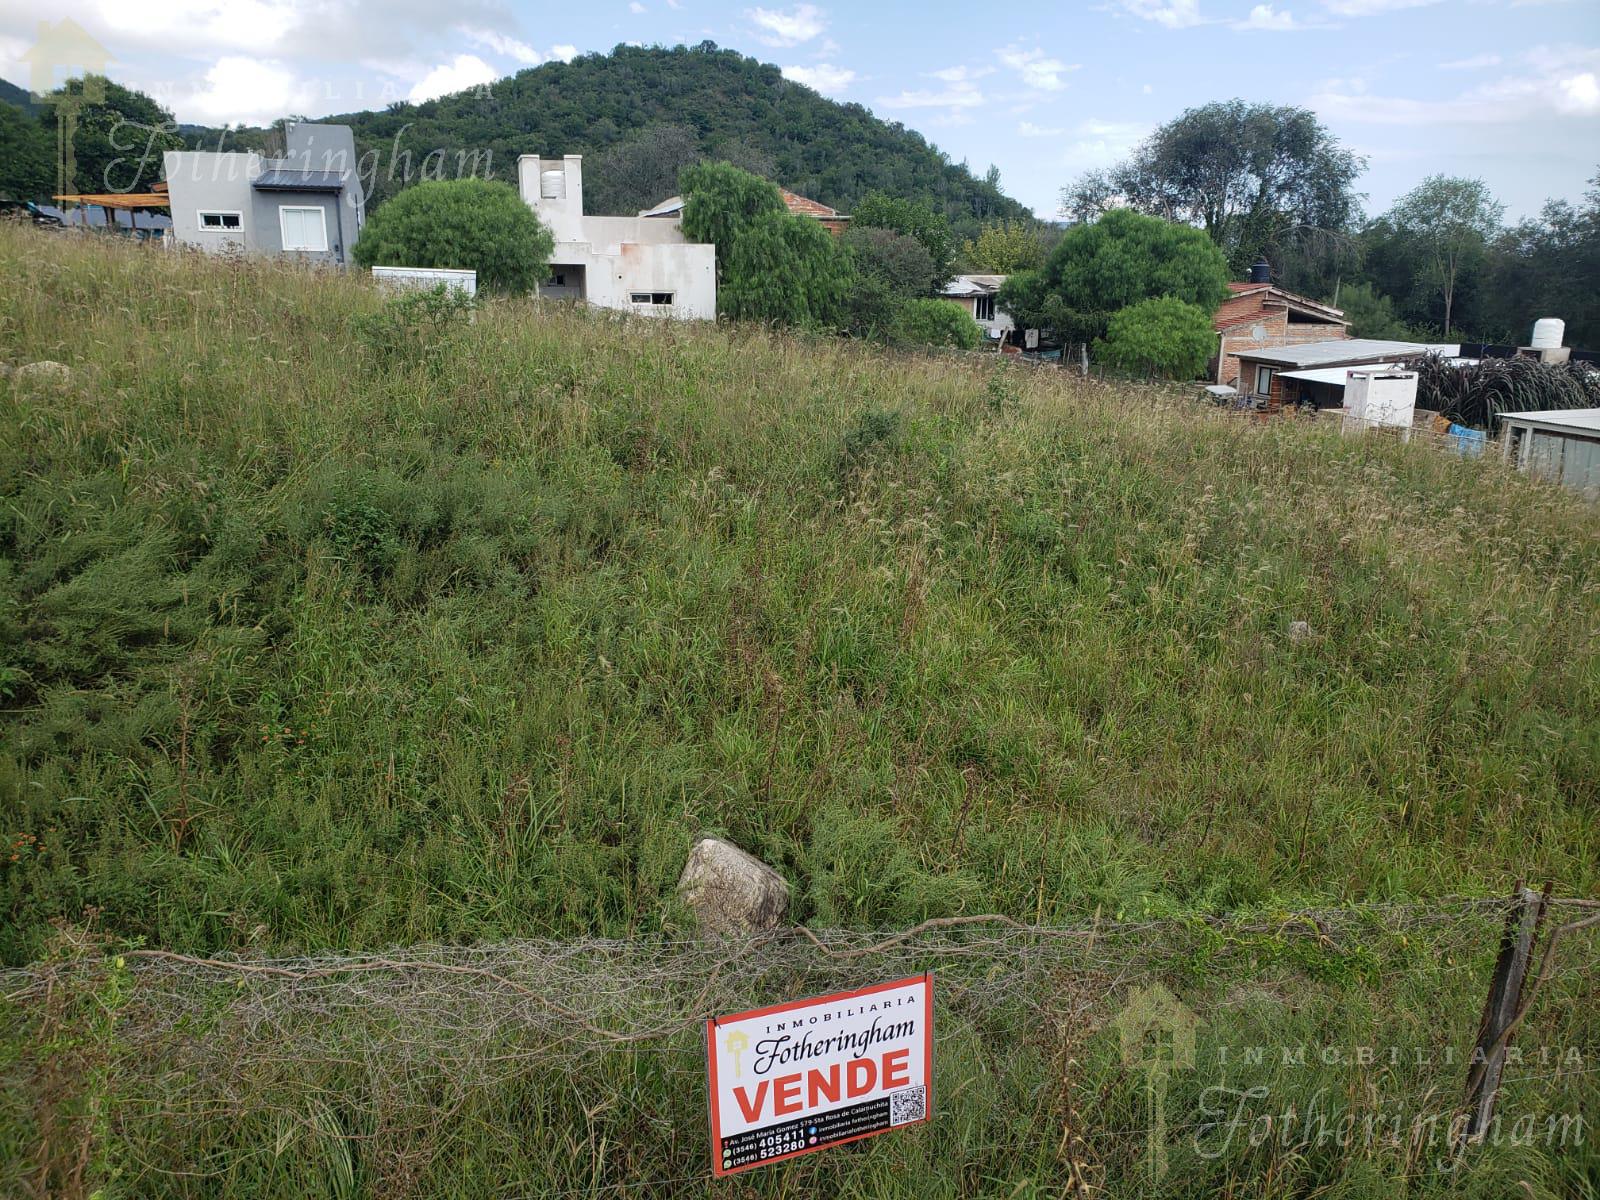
[[1238, 337]]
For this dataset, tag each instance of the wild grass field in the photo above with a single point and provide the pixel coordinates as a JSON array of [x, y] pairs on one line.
[[320, 635]]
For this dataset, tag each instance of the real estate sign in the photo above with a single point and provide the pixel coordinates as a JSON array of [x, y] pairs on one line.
[[799, 1077]]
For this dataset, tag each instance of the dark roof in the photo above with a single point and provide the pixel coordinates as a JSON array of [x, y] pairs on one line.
[[299, 181]]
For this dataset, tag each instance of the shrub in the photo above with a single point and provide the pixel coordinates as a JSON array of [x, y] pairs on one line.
[[930, 322], [916, 219], [415, 326], [1119, 260], [464, 224], [1159, 337]]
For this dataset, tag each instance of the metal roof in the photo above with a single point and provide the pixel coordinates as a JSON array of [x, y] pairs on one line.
[[1575, 420], [973, 285], [1354, 351], [282, 180]]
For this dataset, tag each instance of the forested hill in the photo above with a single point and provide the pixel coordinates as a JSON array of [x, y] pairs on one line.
[[639, 114]]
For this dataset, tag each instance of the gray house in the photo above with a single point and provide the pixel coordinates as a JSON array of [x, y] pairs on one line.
[[307, 205]]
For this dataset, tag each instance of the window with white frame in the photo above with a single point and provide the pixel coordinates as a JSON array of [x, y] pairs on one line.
[[210, 220], [651, 297], [983, 308], [303, 228], [1263, 381]]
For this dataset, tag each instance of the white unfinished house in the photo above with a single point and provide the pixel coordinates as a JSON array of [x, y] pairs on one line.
[[637, 264]]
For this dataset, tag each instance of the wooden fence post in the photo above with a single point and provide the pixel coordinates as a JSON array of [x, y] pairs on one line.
[[1501, 1008]]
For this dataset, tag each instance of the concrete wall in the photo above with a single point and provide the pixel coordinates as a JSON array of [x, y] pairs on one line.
[[617, 256], [205, 181], [688, 271]]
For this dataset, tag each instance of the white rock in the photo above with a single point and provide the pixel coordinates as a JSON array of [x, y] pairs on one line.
[[732, 893], [1300, 631], [44, 372]]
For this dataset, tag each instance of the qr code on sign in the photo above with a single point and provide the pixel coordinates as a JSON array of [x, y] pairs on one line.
[[907, 1106]]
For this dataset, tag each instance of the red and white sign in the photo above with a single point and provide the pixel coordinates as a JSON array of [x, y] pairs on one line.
[[804, 1076]]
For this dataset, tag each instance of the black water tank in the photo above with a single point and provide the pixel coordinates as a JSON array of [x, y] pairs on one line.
[[1261, 272]]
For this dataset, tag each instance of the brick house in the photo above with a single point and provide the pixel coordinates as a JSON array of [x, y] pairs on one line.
[[1257, 315]]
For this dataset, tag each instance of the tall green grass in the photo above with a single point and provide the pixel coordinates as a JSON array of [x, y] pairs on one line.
[[310, 639], [309, 646]]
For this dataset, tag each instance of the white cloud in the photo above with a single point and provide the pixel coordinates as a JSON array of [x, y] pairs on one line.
[[960, 95], [1029, 130], [1476, 63], [1265, 17], [1099, 143], [958, 74], [236, 90], [501, 44], [824, 77], [1579, 94], [562, 52], [1174, 14], [781, 28], [1037, 70], [635, 7], [1371, 8], [1564, 80], [460, 73]]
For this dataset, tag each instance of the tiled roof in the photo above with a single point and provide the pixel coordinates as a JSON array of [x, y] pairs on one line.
[[809, 208]]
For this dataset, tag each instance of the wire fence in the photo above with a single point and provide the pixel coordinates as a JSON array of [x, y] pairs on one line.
[[192, 1072]]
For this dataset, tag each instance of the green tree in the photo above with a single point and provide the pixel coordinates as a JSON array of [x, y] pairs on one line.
[[931, 322], [720, 199], [902, 263], [1164, 336], [1450, 222], [1548, 266], [1260, 179], [1371, 314], [912, 218], [641, 170], [27, 156], [119, 135], [1099, 268], [888, 268], [771, 264], [1004, 247], [468, 224]]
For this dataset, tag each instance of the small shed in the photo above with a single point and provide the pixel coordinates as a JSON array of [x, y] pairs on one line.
[[1561, 445]]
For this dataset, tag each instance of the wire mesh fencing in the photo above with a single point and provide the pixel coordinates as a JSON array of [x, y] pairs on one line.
[[539, 1067]]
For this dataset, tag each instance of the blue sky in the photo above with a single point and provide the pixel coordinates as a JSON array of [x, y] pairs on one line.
[[1507, 90]]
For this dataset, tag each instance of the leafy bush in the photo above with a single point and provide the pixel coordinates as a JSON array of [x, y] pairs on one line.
[[912, 218], [462, 224], [929, 322], [1159, 337], [1122, 258], [415, 325], [889, 268]]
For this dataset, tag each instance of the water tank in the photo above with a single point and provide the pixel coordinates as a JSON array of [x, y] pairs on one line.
[[553, 185], [1547, 333], [1261, 271]]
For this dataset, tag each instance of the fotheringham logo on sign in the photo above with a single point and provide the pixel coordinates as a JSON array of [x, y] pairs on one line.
[[803, 1076]]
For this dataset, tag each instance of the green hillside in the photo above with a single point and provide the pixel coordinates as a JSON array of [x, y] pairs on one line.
[[314, 638], [714, 102]]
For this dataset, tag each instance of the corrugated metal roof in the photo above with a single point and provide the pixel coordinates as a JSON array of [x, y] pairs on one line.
[[281, 180], [1354, 351], [1579, 420], [973, 285]]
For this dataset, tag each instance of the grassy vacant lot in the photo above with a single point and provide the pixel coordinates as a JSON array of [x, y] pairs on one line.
[[312, 637]]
